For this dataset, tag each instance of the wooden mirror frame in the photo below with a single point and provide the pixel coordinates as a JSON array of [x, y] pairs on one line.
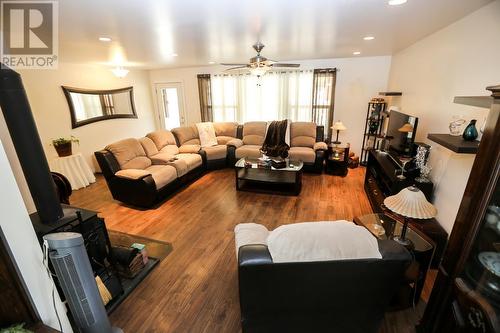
[[75, 123]]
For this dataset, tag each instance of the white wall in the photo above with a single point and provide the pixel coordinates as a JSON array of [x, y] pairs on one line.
[[358, 80], [461, 59], [52, 114], [16, 226]]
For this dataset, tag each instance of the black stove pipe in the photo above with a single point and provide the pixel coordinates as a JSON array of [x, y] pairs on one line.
[[24, 134]]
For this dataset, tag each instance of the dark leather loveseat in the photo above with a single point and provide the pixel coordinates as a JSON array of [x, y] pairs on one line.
[[344, 296]]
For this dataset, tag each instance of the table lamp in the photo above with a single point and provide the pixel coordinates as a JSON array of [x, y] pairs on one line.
[[338, 126], [409, 203]]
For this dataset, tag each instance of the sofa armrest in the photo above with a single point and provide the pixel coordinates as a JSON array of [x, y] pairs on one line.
[[320, 146], [189, 149], [162, 158], [134, 174], [235, 143], [254, 254]]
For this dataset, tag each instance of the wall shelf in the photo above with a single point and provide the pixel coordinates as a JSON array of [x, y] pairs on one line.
[[390, 93], [478, 101], [455, 143]]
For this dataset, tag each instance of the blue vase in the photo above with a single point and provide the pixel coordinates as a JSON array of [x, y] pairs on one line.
[[470, 132]]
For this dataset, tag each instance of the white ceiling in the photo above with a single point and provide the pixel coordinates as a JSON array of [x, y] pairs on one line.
[[147, 32]]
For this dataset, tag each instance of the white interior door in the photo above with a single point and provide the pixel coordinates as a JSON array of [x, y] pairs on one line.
[[171, 105]]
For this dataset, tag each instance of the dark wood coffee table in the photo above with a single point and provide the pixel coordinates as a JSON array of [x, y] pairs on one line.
[[251, 177]]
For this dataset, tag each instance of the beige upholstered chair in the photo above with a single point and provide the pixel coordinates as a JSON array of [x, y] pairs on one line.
[[306, 146], [253, 137]]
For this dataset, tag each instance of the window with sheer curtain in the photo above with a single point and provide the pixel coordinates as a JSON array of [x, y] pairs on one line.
[[274, 96]]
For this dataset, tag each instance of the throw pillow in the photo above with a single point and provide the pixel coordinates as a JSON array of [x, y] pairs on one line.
[[206, 132], [321, 241]]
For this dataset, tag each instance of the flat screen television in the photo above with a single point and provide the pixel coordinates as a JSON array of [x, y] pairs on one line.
[[401, 142]]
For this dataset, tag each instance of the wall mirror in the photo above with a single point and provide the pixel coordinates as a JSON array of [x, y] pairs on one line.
[[88, 106]]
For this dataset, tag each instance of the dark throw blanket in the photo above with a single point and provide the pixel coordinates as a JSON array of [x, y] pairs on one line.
[[275, 144]]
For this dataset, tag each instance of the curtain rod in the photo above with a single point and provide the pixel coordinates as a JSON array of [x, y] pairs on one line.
[[321, 70]]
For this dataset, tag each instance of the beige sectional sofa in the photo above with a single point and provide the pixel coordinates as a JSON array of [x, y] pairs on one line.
[[142, 172]]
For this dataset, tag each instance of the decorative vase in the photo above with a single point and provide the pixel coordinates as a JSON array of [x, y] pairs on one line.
[[456, 125], [64, 149], [470, 132]]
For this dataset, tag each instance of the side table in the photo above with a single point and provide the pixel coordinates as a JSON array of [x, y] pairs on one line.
[[337, 159], [75, 169], [384, 227]]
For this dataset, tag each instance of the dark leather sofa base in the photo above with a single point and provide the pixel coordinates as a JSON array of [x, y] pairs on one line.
[[346, 296]]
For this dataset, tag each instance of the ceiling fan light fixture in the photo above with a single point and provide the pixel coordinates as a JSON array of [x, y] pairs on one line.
[[397, 2], [258, 71], [120, 72]]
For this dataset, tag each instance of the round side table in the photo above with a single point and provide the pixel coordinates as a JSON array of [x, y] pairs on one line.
[[75, 169]]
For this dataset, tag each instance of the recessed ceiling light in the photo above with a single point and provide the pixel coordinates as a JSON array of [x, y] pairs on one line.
[[397, 2], [369, 38], [211, 62], [174, 54], [356, 53], [105, 39]]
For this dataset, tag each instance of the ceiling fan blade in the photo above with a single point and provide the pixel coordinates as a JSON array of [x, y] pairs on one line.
[[278, 64], [231, 64], [234, 68]]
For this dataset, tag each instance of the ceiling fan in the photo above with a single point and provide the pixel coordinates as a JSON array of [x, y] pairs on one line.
[[259, 64]]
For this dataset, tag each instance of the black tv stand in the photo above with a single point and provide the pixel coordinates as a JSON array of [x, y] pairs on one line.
[[381, 181]]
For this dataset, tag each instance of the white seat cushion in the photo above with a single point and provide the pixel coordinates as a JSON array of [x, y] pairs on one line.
[[322, 241], [250, 233]]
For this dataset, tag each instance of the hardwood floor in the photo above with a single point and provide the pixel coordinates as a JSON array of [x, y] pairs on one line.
[[195, 288]]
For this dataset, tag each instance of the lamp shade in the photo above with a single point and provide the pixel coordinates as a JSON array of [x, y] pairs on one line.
[[406, 128], [411, 202], [338, 126]]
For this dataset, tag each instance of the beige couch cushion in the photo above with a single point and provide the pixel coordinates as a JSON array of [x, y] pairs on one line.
[[302, 134], [216, 152], [187, 135], [192, 160], [170, 149], [162, 158], [180, 166], [132, 173], [235, 142], [162, 174], [254, 133], [226, 129], [252, 151], [149, 146], [129, 154], [193, 149], [162, 138], [222, 140], [303, 154]]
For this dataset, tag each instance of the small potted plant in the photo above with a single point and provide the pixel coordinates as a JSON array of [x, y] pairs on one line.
[[63, 145]]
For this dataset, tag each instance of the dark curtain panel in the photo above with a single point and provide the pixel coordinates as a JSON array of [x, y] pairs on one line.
[[323, 97], [205, 91]]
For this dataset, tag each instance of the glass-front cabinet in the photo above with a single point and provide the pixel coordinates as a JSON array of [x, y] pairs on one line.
[[477, 287], [466, 295]]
